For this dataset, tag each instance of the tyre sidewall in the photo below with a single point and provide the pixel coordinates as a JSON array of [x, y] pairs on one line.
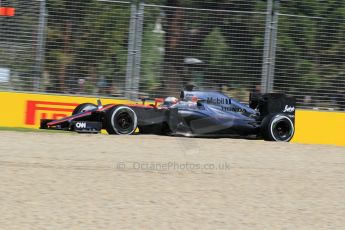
[[268, 123], [110, 123]]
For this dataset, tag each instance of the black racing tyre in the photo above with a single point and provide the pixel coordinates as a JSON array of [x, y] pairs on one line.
[[121, 120], [83, 108], [277, 127]]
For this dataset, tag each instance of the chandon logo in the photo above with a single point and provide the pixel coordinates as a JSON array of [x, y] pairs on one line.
[[289, 109], [80, 125]]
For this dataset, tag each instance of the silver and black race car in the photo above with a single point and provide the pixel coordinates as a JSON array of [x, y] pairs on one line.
[[195, 113]]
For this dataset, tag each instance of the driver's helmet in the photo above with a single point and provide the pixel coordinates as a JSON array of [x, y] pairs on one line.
[[169, 101]]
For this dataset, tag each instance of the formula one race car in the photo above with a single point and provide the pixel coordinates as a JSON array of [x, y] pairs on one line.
[[195, 113]]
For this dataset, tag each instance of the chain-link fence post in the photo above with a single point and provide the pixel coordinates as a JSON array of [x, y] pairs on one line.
[[273, 47], [137, 48], [266, 52], [40, 50], [131, 52], [134, 50], [267, 79]]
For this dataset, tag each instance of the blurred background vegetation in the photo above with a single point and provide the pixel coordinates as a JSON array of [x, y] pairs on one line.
[[87, 41]]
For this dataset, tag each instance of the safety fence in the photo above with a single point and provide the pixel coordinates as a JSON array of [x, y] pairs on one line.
[[65, 47], [151, 49]]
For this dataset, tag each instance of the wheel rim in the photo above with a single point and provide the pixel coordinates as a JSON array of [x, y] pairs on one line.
[[282, 129], [124, 121]]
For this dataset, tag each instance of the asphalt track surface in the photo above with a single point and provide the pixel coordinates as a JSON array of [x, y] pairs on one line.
[[71, 181]]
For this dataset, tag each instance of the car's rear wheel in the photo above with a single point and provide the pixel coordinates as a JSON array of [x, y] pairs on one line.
[[121, 120], [84, 108], [277, 127]]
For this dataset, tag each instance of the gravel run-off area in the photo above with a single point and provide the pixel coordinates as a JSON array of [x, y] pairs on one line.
[[82, 181]]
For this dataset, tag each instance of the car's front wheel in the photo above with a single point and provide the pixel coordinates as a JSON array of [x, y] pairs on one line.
[[121, 120]]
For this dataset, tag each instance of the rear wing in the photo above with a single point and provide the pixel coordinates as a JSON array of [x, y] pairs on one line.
[[273, 103]]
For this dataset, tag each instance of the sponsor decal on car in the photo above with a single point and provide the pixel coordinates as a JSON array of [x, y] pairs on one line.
[[81, 125], [233, 109], [289, 109], [218, 101]]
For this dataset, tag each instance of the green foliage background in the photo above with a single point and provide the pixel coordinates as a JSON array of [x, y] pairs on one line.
[[88, 39]]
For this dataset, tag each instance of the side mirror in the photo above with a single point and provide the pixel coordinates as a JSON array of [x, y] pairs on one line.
[[99, 103]]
